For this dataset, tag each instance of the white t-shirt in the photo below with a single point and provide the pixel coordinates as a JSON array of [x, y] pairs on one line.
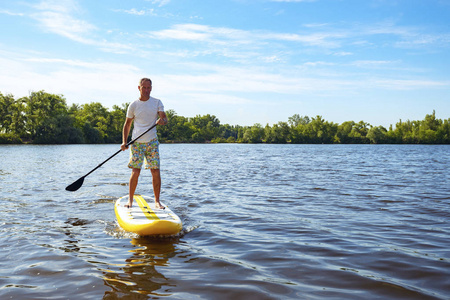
[[145, 114]]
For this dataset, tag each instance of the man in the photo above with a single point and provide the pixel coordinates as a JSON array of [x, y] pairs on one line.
[[145, 112]]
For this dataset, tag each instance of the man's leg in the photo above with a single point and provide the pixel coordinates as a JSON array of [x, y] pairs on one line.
[[133, 184], [156, 180]]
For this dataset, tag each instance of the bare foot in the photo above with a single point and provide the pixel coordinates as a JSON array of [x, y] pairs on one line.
[[129, 204], [158, 205]]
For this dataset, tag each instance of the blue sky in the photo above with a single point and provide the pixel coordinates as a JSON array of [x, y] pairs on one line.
[[244, 61]]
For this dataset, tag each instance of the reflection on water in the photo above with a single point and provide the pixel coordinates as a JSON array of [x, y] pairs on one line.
[[259, 222], [139, 273]]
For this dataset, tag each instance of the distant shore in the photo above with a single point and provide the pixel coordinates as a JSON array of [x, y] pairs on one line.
[[44, 118]]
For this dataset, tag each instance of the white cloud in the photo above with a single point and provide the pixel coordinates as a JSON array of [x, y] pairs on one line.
[[244, 80], [103, 66], [202, 33], [201, 88], [160, 2], [410, 84], [373, 63], [315, 25], [406, 37], [342, 53], [223, 35], [10, 13], [189, 32], [58, 17], [65, 25], [61, 6], [318, 63], [134, 11], [78, 81]]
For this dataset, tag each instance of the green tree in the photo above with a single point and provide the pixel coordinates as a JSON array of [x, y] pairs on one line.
[[359, 132], [45, 118], [6, 112], [297, 128], [254, 134], [427, 133], [230, 133], [42, 112], [277, 134], [343, 133], [58, 130], [207, 127], [320, 131], [296, 120], [297, 135], [431, 123], [12, 115], [116, 119], [178, 130], [377, 135], [95, 120], [443, 132], [406, 132]]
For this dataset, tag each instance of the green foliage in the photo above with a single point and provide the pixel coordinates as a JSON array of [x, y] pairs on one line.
[[42, 111], [377, 135], [44, 118], [254, 134], [12, 116], [57, 130], [9, 138]]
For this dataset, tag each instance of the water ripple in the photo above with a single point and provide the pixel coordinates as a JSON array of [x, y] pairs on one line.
[[259, 222]]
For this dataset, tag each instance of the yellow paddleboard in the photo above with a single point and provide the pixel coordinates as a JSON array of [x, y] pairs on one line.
[[144, 218]]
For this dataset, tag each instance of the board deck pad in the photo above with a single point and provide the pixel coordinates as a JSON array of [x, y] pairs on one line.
[[144, 218]]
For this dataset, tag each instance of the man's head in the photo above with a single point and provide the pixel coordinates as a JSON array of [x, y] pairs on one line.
[[145, 87], [144, 80]]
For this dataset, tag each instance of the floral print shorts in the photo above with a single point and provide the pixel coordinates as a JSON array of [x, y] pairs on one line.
[[144, 151]]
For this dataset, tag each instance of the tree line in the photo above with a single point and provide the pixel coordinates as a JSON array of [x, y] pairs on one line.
[[43, 118]]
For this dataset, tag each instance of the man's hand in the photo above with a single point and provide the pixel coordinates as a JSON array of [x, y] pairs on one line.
[[123, 147], [162, 121]]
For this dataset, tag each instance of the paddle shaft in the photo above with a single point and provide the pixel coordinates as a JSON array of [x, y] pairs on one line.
[[128, 144], [77, 184]]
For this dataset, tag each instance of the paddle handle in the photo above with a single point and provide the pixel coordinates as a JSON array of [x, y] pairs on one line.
[[128, 144]]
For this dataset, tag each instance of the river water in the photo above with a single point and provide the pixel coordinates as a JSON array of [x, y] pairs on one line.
[[259, 222]]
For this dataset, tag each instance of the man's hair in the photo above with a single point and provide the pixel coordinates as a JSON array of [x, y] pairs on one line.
[[144, 80]]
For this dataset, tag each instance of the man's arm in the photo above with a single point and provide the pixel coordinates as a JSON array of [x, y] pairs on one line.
[[162, 118], [125, 133]]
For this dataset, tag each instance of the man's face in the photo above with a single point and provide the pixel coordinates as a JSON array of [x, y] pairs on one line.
[[145, 89]]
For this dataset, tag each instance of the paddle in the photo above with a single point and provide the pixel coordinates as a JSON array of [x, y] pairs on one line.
[[77, 184]]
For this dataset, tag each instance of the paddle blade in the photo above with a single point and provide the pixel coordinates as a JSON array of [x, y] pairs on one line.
[[76, 185]]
